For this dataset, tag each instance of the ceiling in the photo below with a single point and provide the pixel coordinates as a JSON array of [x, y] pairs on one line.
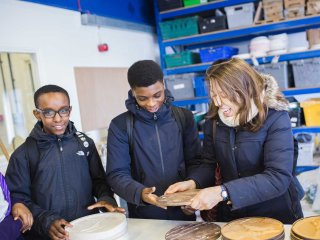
[[135, 11]]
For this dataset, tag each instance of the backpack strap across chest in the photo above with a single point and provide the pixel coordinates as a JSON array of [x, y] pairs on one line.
[[177, 113]]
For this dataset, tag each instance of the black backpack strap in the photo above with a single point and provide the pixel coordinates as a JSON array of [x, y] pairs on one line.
[[179, 116], [33, 155], [129, 124], [84, 143]]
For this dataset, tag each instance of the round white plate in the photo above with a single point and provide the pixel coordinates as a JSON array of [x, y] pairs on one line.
[[101, 226]]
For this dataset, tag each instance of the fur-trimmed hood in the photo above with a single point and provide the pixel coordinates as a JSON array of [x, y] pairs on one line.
[[273, 97]]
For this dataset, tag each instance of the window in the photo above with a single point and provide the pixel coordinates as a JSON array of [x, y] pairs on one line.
[[17, 85]]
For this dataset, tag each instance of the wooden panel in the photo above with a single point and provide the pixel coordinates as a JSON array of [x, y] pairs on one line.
[[102, 93]]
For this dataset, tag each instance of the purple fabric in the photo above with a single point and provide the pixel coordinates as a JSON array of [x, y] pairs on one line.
[[10, 229], [6, 192]]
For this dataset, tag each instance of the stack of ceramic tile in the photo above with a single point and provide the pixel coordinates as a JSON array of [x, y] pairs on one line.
[[306, 229], [253, 228]]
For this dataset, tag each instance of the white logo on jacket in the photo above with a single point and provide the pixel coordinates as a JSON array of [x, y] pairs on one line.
[[80, 153]]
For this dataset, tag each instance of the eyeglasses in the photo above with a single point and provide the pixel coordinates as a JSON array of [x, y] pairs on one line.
[[49, 113]]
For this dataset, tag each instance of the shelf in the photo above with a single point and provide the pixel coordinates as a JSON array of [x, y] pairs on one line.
[[199, 8], [306, 129], [262, 60], [257, 30], [287, 93], [197, 100], [297, 91]]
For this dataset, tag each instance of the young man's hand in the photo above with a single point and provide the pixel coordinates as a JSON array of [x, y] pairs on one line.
[[181, 187], [106, 205], [148, 197], [21, 212], [57, 231]]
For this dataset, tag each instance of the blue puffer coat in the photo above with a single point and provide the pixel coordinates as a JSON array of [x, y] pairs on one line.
[[161, 156], [256, 167]]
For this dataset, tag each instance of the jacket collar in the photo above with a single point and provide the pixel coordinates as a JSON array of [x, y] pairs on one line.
[[146, 116], [272, 95], [42, 138]]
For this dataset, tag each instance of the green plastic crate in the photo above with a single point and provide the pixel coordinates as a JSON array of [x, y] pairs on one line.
[[182, 58], [179, 27], [187, 3]]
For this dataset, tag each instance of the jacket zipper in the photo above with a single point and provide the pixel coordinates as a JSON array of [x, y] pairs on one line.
[[234, 147], [159, 143], [63, 175]]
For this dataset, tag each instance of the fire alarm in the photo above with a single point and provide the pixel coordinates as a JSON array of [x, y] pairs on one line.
[[103, 47]]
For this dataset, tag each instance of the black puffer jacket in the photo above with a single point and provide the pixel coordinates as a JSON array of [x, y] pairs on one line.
[[161, 156], [61, 182]]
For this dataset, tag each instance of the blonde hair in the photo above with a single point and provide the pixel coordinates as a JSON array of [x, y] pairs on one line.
[[241, 83]]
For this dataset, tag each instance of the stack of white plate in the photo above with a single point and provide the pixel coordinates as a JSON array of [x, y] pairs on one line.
[[278, 44], [101, 226], [259, 46]]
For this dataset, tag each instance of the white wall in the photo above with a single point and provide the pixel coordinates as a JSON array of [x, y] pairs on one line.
[[61, 43]]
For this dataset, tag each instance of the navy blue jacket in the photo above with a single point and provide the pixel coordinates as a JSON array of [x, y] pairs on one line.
[[62, 183], [161, 156], [256, 168]]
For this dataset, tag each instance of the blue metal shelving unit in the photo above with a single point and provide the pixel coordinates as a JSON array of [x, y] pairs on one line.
[[262, 60], [232, 35], [256, 30]]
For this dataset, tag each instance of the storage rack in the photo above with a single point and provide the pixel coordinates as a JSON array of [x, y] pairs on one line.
[[233, 35]]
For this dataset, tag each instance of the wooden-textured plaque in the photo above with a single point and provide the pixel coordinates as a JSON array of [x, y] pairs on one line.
[[253, 228], [178, 198], [195, 231], [306, 228]]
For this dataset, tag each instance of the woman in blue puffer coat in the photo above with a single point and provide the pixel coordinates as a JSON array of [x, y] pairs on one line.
[[252, 144]]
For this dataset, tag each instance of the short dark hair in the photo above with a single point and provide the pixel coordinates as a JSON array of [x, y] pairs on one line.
[[48, 89], [144, 73]]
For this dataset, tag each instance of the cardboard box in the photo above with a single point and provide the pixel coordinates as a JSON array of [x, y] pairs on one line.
[[273, 16], [313, 7], [294, 12], [313, 36], [294, 3], [273, 11], [273, 6], [271, 2]]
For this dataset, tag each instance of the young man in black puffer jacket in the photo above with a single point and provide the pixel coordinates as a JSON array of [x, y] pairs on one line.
[[57, 172]]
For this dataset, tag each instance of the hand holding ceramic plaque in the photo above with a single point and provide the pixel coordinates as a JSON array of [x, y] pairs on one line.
[[178, 198]]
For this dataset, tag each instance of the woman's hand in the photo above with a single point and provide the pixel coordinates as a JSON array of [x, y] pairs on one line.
[[21, 212], [207, 198], [181, 187], [106, 205]]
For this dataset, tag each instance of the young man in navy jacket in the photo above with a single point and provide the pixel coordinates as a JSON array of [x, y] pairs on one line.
[[161, 153]]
